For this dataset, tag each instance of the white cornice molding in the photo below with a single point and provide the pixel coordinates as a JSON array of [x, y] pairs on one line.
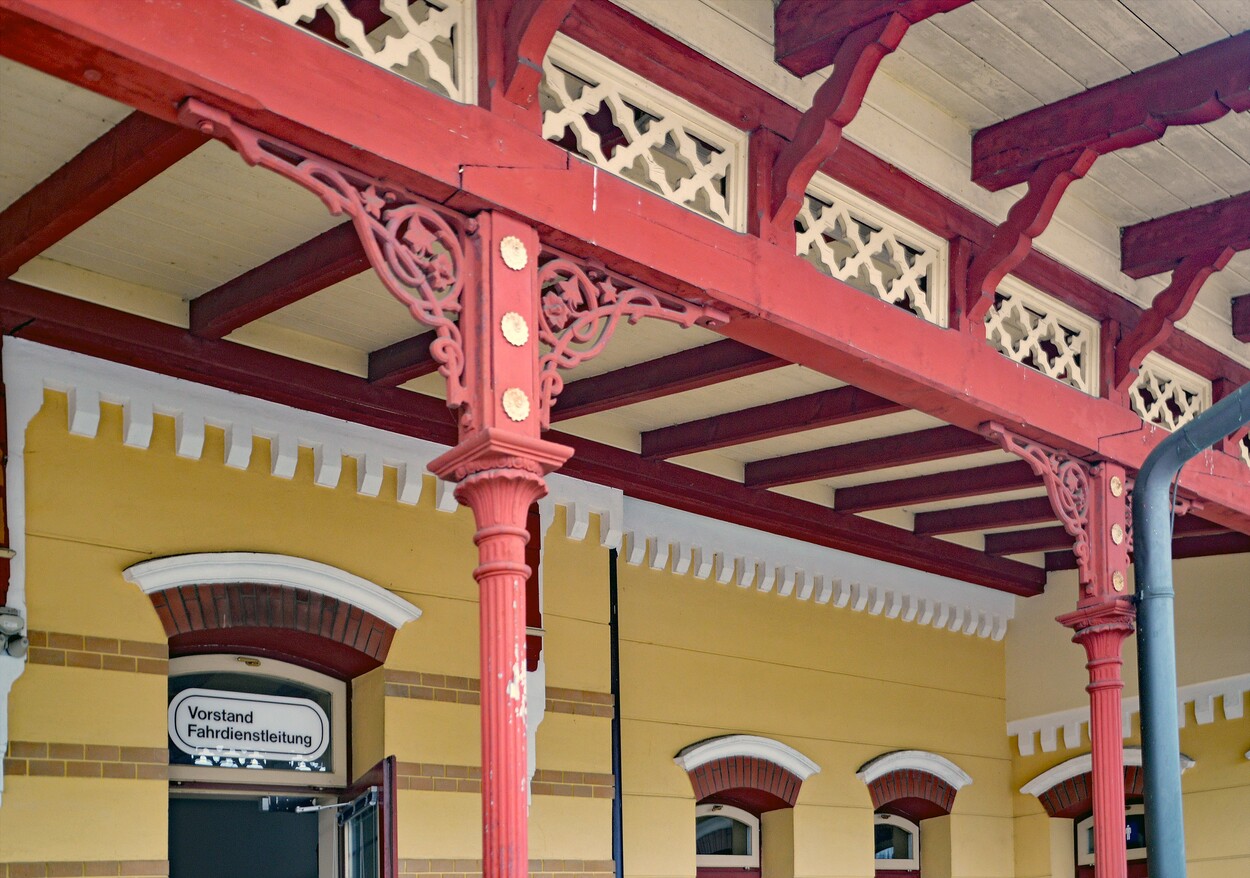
[[1230, 690], [1078, 765], [160, 574], [751, 746], [707, 548], [915, 760]]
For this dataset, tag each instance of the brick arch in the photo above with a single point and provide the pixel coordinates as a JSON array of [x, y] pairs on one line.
[[1067, 789], [277, 606], [749, 772], [277, 621], [915, 784]]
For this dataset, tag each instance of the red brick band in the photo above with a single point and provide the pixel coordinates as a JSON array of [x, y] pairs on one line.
[[748, 781]]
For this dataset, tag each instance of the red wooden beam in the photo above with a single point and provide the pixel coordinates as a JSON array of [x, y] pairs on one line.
[[1160, 245], [81, 326], [1170, 304], [330, 257], [116, 164], [807, 34], [1194, 88], [1241, 318], [1004, 513], [676, 373], [528, 31], [824, 409], [1046, 539], [938, 443], [402, 361], [1228, 543], [952, 485]]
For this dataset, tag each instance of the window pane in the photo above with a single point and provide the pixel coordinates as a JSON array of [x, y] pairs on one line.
[[891, 842], [1135, 831], [717, 834]]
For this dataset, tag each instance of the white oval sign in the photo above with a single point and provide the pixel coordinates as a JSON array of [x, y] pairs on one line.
[[262, 726]]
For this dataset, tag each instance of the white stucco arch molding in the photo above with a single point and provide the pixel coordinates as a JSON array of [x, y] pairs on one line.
[[1084, 764], [750, 747], [914, 760], [161, 574]]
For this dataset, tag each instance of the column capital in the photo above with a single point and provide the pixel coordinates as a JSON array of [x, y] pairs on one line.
[[1112, 616], [494, 449]]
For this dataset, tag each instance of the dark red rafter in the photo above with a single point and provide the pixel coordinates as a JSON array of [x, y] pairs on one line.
[[1160, 245], [1170, 304], [1004, 513], [402, 361], [808, 33], [1197, 87], [92, 329], [992, 479], [120, 161], [330, 257], [528, 31], [1046, 539], [1013, 240], [1229, 543], [939, 443], [824, 409], [676, 373], [1241, 318]]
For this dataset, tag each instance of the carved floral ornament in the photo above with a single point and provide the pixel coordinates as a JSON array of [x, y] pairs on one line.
[[419, 252]]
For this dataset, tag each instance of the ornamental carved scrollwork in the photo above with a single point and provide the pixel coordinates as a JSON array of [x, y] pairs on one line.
[[417, 250], [1067, 481], [580, 307]]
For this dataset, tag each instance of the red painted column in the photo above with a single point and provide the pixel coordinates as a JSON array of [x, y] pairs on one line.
[[1102, 630], [499, 464]]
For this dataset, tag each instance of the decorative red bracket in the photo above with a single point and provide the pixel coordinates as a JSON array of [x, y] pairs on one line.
[[581, 306], [834, 106], [1171, 304], [1013, 239], [528, 31]]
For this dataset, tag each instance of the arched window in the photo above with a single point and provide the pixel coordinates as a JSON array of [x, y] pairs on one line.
[[726, 837], [896, 843]]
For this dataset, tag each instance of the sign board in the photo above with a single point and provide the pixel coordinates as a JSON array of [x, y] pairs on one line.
[[261, 726]]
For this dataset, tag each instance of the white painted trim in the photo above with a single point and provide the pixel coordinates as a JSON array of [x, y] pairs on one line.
[[915, 760], [751, 746], [790, 568], [1230, 690], [1078, 765], [160, 574], [729, 861], [912, 862]]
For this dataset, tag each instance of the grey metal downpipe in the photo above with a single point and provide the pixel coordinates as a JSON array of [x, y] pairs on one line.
[[1156, 636]]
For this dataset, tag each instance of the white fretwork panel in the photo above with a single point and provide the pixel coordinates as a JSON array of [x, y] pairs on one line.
[[1040, 332], [1167, 394], [873, 249], [618, 121], [430, 42]]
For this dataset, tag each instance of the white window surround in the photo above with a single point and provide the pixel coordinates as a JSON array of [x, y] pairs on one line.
[[912, 862], [914, 760], [1046, 727], [1078, 765], [750, 746], [730, 861], [160, 574]]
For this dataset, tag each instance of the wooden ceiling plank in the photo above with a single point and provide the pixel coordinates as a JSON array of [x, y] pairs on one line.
[[402, 361], [676, 373], [1191, 89], [827, 408], [952, 485], [1161, 244], [95, 330], [1005, 513], [1184, 24], [117, 163], [1120, 33], [938, 443], [330, 257]]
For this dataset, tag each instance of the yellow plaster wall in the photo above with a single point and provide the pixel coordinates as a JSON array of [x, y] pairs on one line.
[[700, 659]]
